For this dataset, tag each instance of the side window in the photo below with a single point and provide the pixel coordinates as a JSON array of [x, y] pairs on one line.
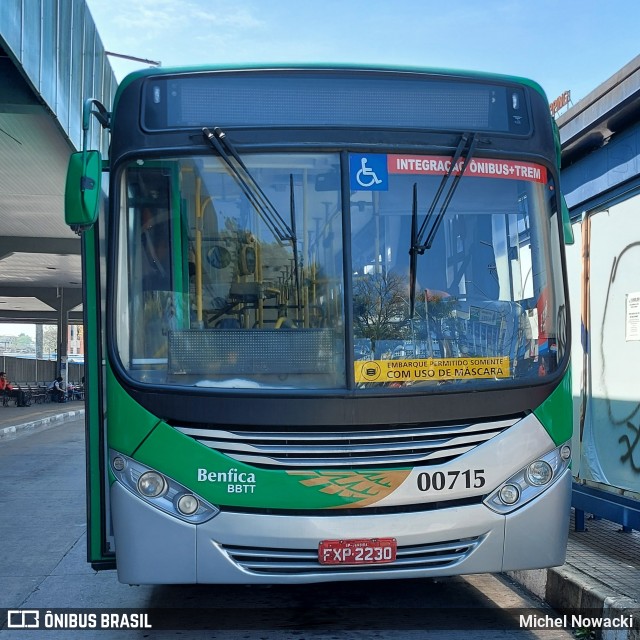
[[150, 259]]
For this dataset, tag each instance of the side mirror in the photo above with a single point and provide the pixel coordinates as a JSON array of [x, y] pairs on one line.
[[83, 188], [566, 222]]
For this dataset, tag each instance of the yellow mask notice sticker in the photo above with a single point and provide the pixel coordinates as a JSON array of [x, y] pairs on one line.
[[434, 369]]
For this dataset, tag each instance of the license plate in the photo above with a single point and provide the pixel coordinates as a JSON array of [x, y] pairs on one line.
[[363, 551]]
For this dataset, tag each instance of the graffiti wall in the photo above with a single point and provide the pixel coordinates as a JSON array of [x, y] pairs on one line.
[[604, 283]]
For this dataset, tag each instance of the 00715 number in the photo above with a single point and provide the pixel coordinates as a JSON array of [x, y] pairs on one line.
[[448, 480]]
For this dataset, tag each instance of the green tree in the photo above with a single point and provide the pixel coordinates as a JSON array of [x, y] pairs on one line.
[[50, 340], [24, 342], [379, 308]]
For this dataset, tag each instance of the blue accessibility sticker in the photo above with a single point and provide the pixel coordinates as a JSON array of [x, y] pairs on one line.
[[368, 172]]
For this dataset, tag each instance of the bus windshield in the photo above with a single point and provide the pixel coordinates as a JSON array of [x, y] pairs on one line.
[[211, 293]]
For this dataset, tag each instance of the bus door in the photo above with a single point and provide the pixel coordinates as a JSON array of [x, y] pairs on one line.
[[100, 546]]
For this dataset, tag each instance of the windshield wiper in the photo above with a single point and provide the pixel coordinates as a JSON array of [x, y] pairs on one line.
[[247, 183], [260, 201], [418, 247], [413, 254]]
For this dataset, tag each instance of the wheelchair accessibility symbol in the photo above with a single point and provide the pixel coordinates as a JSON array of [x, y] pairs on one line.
[[368, 173], [367, 177]]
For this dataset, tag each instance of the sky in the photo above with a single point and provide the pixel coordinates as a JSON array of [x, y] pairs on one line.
[[17, 329], [564, 45]]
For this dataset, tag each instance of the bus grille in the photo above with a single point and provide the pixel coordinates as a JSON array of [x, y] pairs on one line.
[[302, 562], [310, 450]]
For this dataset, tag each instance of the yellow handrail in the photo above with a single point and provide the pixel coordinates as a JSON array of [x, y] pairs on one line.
[[198, 252]]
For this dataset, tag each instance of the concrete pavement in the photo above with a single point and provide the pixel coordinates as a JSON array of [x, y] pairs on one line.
[[20, 420]]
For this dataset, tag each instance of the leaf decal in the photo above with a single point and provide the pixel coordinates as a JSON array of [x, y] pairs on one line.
[[358, 488]]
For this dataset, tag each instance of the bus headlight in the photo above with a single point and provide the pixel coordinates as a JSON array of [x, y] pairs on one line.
[[509, 494], [187, 504], [158, 490], [539, 473], [151, 484], [529, 482]]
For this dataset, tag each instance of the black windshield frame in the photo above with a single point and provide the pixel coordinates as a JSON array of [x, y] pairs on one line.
[[128, 141]]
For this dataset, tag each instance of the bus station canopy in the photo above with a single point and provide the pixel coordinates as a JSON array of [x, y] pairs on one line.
[[45, 74]]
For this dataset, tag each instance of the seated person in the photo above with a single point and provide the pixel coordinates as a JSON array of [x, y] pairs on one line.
[[6, 388], [57, 390]]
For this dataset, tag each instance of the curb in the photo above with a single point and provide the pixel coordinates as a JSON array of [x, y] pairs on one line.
[[47, 422], [566, 588]]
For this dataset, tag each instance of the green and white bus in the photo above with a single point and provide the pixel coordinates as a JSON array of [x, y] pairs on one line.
[[326, 315]]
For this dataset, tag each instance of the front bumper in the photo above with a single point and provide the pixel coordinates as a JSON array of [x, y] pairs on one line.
[[155, 548]]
